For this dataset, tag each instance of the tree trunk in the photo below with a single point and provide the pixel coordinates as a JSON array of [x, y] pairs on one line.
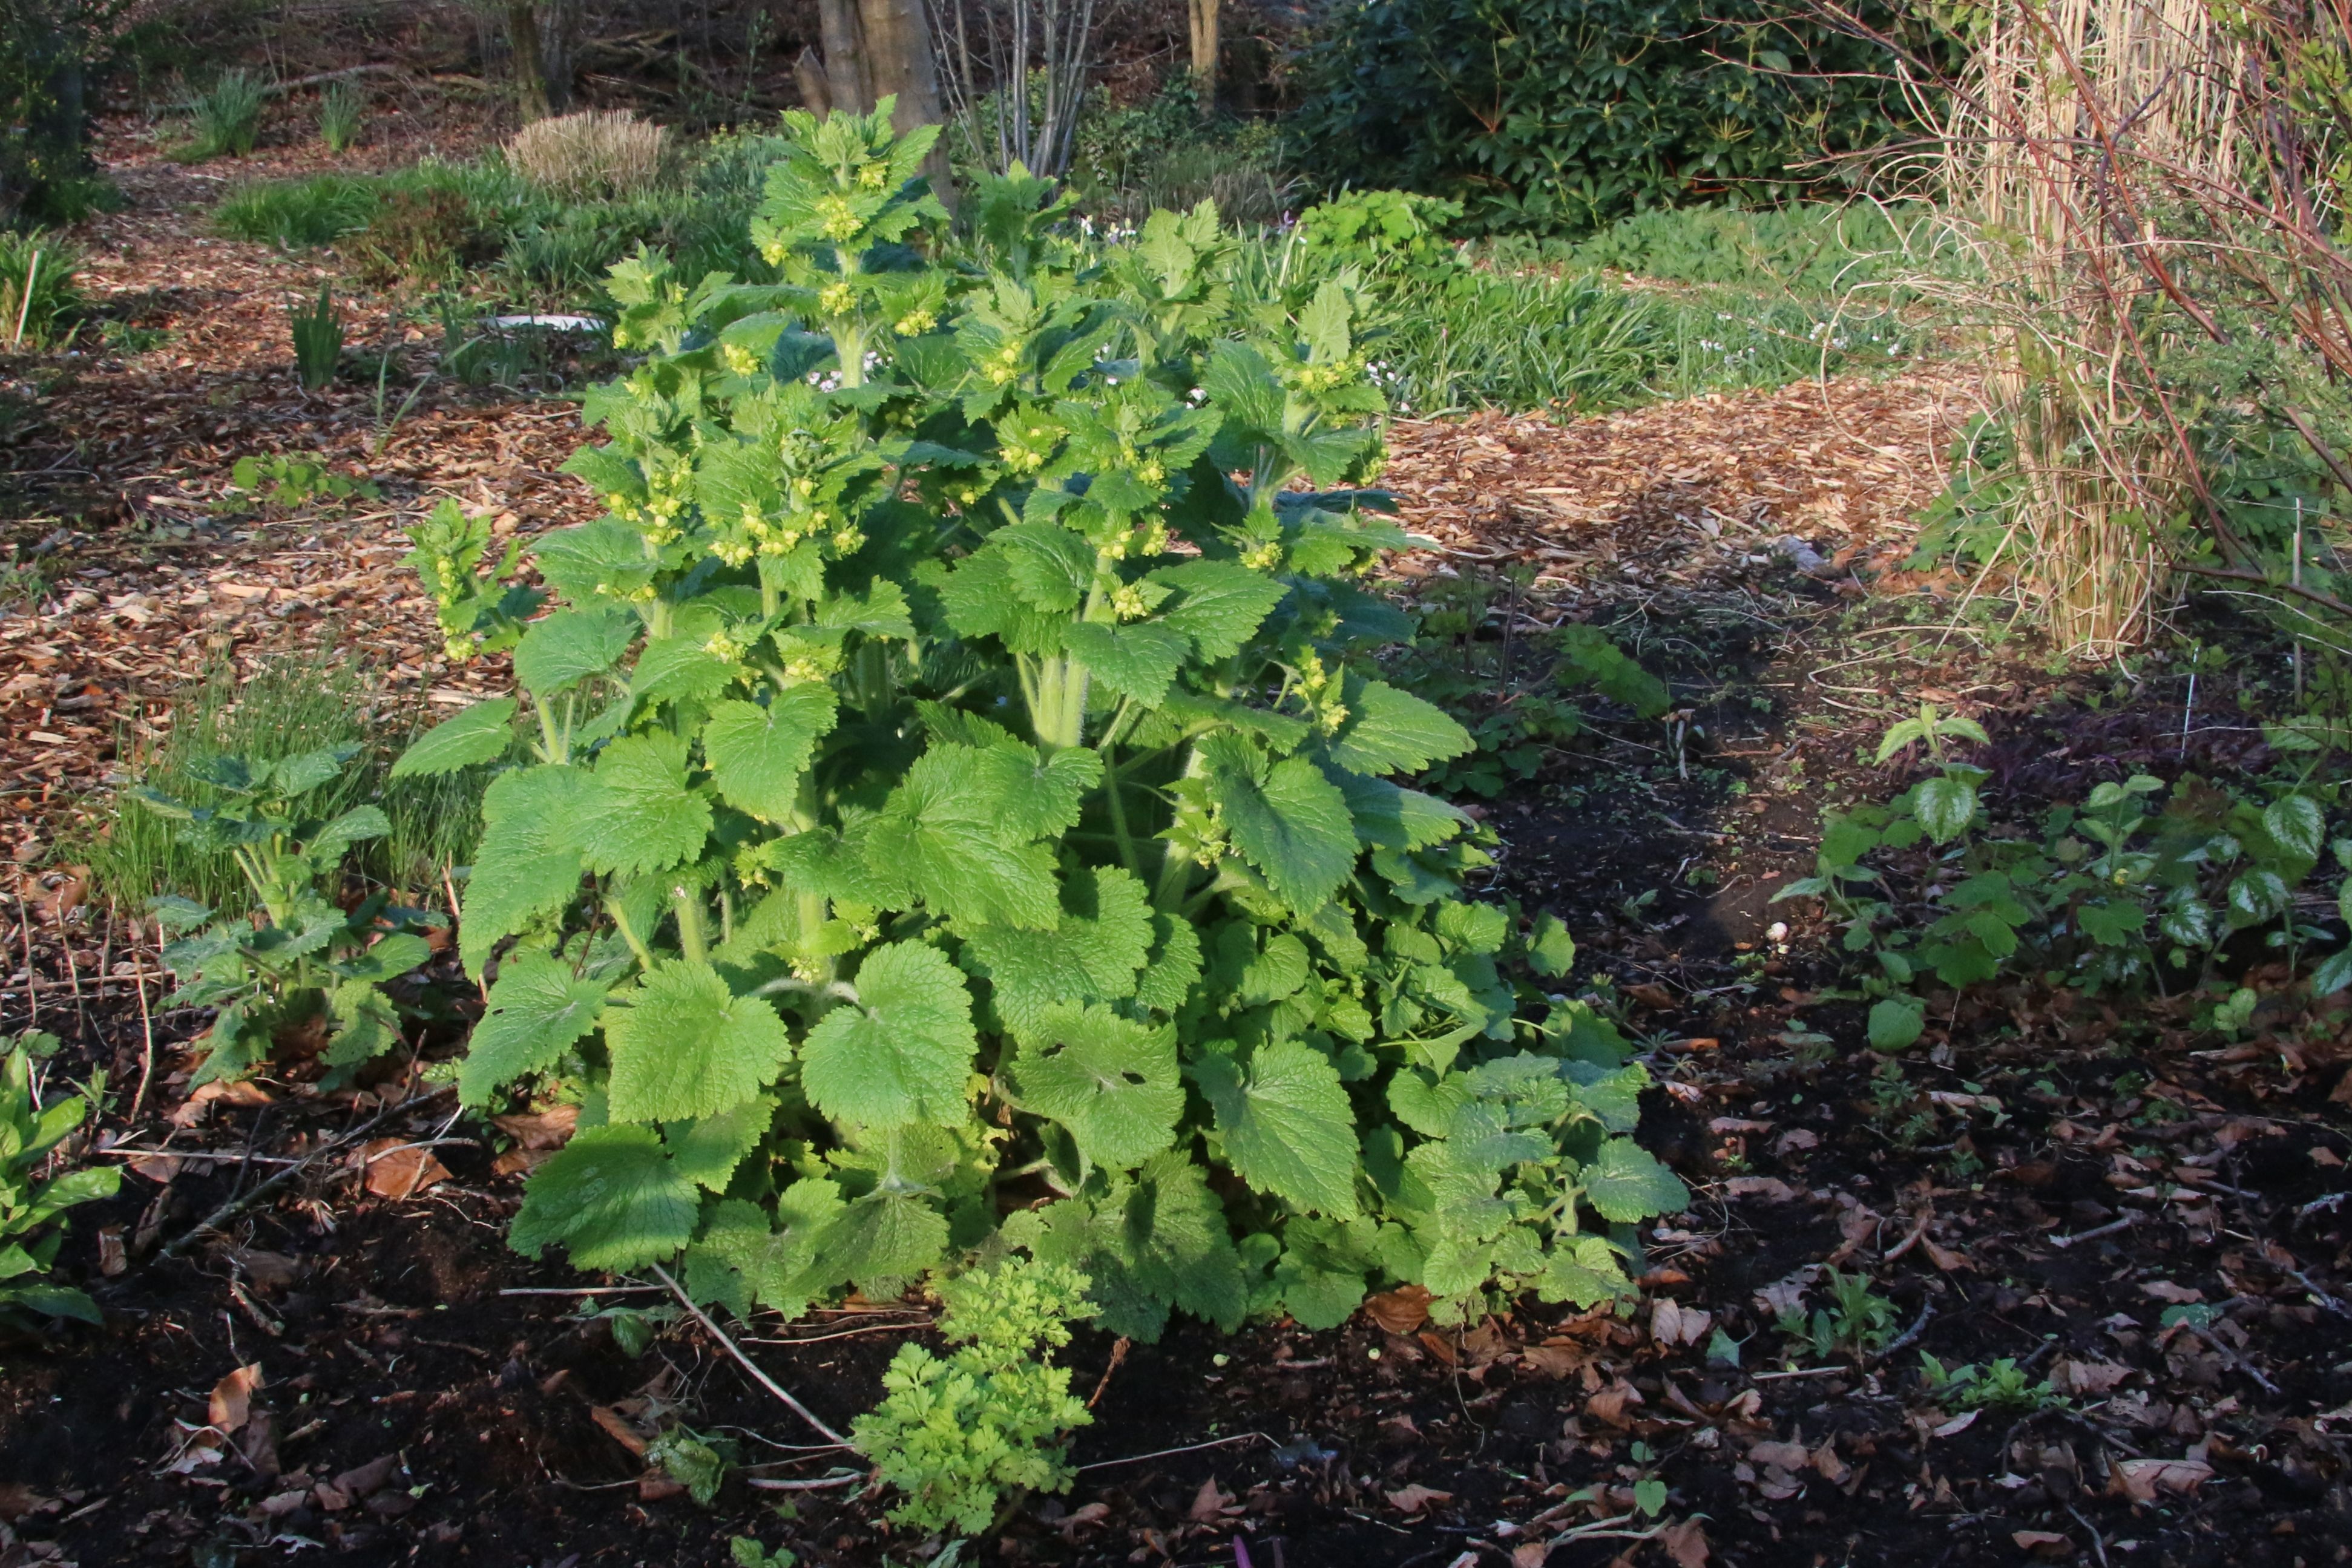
[[531, 82], [849, 78], [1203, 15], [900, 62], [559, 42], [817, 93]]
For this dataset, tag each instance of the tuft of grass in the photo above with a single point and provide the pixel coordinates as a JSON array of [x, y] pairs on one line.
[[226, 117], [342, 114], [40, 308], [297, 214], [318, 334], [296, 703], [594, 154]]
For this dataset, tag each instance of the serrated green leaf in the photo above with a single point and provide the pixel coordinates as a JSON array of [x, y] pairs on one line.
[[1220, 604], [684, 1046], [570, 646], [1138, 661], [1092, 954], [942, 838], [1111, 1081], [1945, 805], [679, 669], [1896, 1022], [1291, 822], [902, 1052], [758, 754], [1392, 731], [742, 1257], [528, 863], [1551, 951], [479, 734], [610, 1197], [2297, 825], [1173, 967], [1625, 1182], [641, 817], [536, 1012], [1287, 1126], [708, 1150], [885, 1240]]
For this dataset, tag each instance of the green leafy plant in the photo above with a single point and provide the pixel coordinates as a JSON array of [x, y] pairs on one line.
[[318, 334], [226, 117], [279, 479], [342, 115], [2111, 895], [1857, 1320], [747, 1552], [955, 1433], [1381, 228], [949, 782], [29, 1132], [2000, 1385], [298, 967]]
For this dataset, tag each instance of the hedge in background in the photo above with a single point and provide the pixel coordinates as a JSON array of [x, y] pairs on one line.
[[1557, 115]]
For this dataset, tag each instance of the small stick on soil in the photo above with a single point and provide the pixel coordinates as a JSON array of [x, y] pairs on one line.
[[1188, 1449], [2110, 1229], [1117, 1354], [764, 1484], [1927, 1311], [581, 1290], [146, 1030], [764, 1381], [1801, 1372], [233, 1205], [25, 929]]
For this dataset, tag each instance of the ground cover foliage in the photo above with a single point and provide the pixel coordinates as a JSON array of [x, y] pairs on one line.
[[992, 805]]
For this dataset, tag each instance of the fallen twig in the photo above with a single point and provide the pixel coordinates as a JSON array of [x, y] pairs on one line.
[[822, 1483], [212, 1221], [766, 1382], [1188, 1449], [2129, 1219]]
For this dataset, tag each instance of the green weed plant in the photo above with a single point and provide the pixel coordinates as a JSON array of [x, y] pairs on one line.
[[951, 798]]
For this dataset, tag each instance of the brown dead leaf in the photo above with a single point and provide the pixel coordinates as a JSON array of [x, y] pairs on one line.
[[360, 1480], [1556, 1360], [657, 1486], [18, 1499], [2042, 1542], [1209, 1504], [2087, 1378], [231, 1404], [548, 1129], [397, 1169], [1943, 1258], [1414, 1498], [1439, 1346], [1771, 1189], [1686, 1544], [1796, 1138], [1788, 1456], [1730, 1125], [2143, 1479], [1530, 1553], [196, 1106], [112, 1259], [617, 1426], [1078, 1518], [2166, 1291], [1673, 1323], [1827, 1465], [1614, 1404], [157, 1168], [1401, 1310]]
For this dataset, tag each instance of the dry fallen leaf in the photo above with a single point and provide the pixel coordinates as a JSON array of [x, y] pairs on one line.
[[1208, 1504], [1944, 1258], [197, 1105], [617, 1425], [2045, 1542], [1788, 1456], [1612, 1403], [2143, 1479], [1686, 1544], [2166, 1291], [2087, 1378], [1827, 1465], [1957, 1423], [548, 1129], [232, 1400], [1530, 1553], [1401, 1310], [398, 1169], [1070, 1523], [1771, 1189], [1557, 1360], [1671, 1322], [1416, 1497]]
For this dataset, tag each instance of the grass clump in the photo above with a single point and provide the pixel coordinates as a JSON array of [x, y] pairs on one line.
[[226, 117], [40, 307], [592, 155], [297, 213], [342, 114], [295, 704]]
